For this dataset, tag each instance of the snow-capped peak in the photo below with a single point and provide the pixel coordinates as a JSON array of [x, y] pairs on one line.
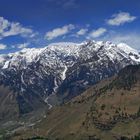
[[67, 48], [134, 54], [84, 50], [126, 48]]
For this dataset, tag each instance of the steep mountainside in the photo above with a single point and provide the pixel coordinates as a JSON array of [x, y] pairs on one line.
[[59, 72], [7, 103], [109, 110]]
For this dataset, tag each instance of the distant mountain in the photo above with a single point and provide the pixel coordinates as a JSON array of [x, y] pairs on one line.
[[109, 110], [61, 71]]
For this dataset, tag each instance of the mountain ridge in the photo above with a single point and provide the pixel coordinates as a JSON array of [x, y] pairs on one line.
[[59, 72]]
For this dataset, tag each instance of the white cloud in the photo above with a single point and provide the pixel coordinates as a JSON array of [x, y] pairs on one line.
[[3, 46], [59, 32], [120, 19], [8, 28], [82, 32], [97, 33]]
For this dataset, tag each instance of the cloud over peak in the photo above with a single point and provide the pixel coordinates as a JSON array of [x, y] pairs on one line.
[[59, 32], [82, 32], [120, 18], [97, 33]]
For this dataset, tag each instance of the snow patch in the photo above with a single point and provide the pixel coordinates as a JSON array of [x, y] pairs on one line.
[[6, 65], [64, 73], [56, 86], [47, 102], [22, 79]]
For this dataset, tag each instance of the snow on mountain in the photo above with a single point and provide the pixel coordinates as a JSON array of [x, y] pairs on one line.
[[127, 49], [64, 67], [134, 54], [68, 49], [64, 73]]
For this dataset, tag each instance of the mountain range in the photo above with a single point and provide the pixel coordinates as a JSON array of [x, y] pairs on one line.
[[33, 81]]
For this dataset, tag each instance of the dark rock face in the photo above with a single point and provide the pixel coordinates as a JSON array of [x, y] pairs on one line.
[[8, 104], [83, 76]]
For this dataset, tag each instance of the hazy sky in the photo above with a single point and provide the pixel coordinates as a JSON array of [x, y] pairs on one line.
[[36, 23]]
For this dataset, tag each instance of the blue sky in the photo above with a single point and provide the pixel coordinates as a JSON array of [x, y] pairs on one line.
[[36, 23]]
